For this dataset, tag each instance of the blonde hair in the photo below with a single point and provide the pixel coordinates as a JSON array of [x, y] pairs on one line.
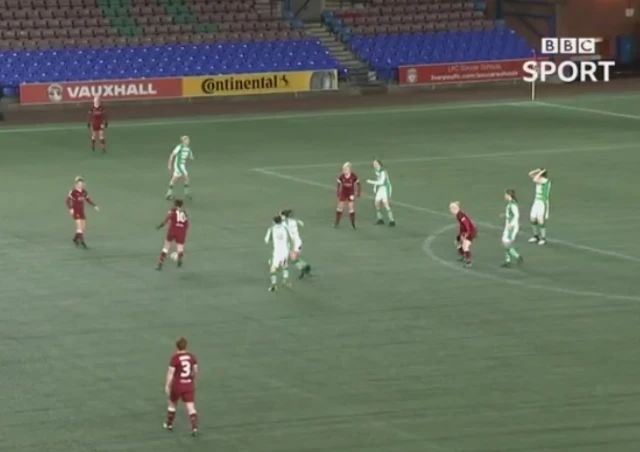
[[78, 179], [346, 165]]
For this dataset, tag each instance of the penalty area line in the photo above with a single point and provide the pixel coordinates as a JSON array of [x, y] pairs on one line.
[[438, 213], [435, 158], [427, 247]]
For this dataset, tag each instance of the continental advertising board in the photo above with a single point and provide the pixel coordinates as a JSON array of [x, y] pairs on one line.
[[262, 83]]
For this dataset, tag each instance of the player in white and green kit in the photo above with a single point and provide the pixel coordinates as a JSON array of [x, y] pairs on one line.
[[511, 228], [178, 164], [540, 207], [382, 190]]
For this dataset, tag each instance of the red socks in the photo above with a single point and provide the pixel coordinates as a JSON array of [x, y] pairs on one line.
[[163, 257], [352, 218], [171, 416], [79, 236], [194, 421]]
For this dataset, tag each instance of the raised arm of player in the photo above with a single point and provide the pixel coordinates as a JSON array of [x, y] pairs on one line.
[[267, 237], [537, 177], [533, 173], [169, 380]]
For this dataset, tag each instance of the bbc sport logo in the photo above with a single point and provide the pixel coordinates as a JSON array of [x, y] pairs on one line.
[[584, 63]]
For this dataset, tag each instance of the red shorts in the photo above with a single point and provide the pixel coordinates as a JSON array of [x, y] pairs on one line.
[[470, 237], [187, 395], [347, 197], [97, 127], [179, 236], [79, 216]]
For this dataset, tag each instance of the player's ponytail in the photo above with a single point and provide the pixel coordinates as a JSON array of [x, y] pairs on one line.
[[512, 194]]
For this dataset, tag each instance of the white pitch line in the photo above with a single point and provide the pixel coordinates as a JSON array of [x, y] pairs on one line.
[[317, 114], [594, 111], [427, 247], [325, 113], [440, 213], [434, 158], [280, 116]]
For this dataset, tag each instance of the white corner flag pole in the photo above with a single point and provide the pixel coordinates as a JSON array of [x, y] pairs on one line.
[[533, 83]]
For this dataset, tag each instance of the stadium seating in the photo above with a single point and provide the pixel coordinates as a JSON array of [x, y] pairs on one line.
[[390, 33], [57, 40], [386, 53]]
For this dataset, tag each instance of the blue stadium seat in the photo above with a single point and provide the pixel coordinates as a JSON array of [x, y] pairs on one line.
[[164, 61], [384, 53]]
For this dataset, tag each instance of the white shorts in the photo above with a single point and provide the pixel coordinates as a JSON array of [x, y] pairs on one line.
[[539, 209], [509, 235], [279, 258], [382, 195], [180, 171]]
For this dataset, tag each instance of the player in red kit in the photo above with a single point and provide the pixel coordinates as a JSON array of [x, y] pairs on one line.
[[178, 227], [466, 234], [181, 385], [98, 123], [75, 203], [347, 191]]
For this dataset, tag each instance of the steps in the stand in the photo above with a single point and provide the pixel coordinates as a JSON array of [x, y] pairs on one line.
[[357, 68]]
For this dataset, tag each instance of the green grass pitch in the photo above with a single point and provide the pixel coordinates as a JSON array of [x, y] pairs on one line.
[[390, 347]]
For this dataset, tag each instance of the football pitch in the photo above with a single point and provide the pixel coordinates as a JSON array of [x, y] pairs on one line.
[[391, 346]]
